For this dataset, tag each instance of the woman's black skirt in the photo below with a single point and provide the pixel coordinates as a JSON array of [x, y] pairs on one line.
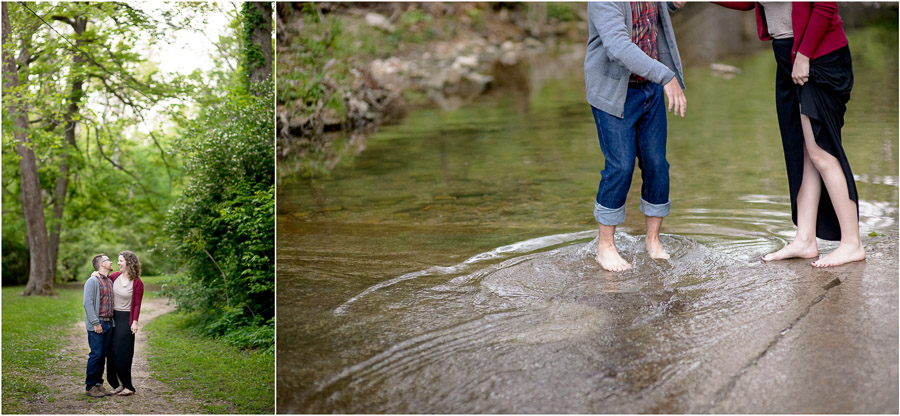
[[121, 352], [824, 100]]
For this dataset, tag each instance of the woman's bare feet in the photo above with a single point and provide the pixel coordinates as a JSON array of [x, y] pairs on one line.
[[610, 260], [845, 253], [656, 249], [795, 249]]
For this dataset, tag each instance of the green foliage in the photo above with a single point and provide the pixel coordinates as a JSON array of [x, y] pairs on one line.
[[562, 12], [121, 178], [253, 56], [15, 261], [317, 50], [224, 221], [34, 328], [211, 371]]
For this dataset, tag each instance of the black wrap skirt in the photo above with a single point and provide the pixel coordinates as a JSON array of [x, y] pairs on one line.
[[824, 100], [121, 354]]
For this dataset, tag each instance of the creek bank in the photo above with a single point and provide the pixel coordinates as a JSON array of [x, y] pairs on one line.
[[441, 73]]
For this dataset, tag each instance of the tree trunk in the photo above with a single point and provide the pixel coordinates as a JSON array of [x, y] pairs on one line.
[[258, 40], [62, 180], [40, 278]]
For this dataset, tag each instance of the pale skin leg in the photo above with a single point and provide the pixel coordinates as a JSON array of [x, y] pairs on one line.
[[607, 254], [804, 244], [829, 169], [654, 246], [817, 163], [850, 249]]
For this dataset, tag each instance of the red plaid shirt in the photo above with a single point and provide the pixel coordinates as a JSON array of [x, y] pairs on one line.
[[644, 16], [106, 297]]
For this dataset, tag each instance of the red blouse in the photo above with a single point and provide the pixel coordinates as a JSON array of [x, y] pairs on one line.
[[817, 26], [137, 293]]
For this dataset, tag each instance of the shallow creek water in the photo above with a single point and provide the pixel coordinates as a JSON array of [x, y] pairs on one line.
[[449, 266]]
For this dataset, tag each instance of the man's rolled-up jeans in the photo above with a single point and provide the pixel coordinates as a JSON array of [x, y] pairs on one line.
[[641, 135], [99, 344]]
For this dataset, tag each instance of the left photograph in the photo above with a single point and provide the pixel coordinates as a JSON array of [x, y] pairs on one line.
[[138, 233]]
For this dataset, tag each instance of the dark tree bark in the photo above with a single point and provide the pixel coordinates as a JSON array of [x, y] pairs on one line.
[[79, 25], [40, 277], [258, 40]]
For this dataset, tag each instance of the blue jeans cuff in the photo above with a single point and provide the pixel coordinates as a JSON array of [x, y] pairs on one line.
[[608, 216], [653, 210]]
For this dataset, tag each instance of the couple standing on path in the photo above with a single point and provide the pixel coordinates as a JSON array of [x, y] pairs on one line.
[[112, 305], [632, 60]]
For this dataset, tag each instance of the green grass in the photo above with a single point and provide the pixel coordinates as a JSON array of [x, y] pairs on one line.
[[152, 285], [33, 329], [213, 371], [153, 280]]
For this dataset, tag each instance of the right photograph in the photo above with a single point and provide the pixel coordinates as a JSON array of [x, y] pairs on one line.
[[613, 207]]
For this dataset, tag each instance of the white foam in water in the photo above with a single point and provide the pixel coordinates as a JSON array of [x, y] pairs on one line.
[[877, 179], [520, 247], [875, 215]]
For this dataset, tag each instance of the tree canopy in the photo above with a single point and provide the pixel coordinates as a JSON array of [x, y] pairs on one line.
[[103, 151]]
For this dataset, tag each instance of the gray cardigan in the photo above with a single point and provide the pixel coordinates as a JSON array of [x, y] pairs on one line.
[[612, 57], [92, 303]]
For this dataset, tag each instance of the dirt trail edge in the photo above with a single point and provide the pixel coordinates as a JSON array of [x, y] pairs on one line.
[[152, 396]]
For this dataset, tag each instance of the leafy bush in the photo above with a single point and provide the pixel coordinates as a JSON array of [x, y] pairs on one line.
[[223, 226], [15, 262]]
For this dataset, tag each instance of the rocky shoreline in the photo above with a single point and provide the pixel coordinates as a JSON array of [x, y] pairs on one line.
[[441, 73]]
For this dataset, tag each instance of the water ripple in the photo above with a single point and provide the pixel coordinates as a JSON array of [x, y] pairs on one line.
[[502, 252]]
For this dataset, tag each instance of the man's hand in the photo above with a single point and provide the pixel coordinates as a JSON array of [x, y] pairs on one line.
[[679, 4], [800, 73], [98, 329], [677, 101]]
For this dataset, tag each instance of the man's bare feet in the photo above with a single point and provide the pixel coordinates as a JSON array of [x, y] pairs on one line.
[[845, 253], [610, 260], [795, 249], [656, 249]]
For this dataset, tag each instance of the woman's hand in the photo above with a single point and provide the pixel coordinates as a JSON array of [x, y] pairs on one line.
[[800, 73], [95, 274], [134, 327]]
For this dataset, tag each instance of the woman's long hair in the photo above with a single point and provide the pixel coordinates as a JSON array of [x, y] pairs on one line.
[[132, 264]]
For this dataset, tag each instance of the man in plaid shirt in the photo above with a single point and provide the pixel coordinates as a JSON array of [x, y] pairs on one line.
[[98, 313]]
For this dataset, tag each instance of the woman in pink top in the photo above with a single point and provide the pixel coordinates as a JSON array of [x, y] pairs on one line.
[[812, 87], [128, 290]]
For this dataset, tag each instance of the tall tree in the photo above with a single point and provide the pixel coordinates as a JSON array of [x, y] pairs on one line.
[[40, 279], [79, 26], [86, 49], [257, 20]]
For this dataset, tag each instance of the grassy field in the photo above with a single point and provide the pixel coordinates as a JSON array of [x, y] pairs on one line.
[[213, 371], [34, 328]]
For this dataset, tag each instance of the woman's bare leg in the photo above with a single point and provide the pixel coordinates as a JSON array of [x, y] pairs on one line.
[[850, 248], [804, 244]]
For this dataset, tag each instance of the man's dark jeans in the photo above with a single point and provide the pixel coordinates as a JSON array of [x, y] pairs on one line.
[[640, 134], [99, 344]]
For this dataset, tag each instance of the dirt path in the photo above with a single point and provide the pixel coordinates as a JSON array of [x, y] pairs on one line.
[[67, 390]]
